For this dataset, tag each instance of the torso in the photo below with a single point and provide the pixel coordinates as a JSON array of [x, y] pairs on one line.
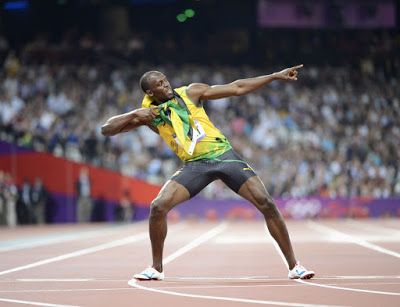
[[212, 145]]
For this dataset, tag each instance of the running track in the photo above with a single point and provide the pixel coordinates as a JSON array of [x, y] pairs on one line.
[[224, 263]]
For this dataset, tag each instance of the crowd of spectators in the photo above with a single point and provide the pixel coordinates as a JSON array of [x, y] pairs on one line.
[[335, 132], [26, 205]]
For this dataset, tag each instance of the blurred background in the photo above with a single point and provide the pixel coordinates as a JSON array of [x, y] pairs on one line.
[[325, 146]]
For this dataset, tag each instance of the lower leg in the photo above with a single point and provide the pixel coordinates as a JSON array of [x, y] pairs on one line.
[[278, 231], [254, 191], [158, 233], [171, 194]]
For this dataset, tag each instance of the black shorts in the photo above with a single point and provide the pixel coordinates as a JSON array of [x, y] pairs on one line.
[[229, 167]]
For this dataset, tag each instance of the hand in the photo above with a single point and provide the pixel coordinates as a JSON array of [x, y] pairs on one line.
[[146, 115], [288, 73]]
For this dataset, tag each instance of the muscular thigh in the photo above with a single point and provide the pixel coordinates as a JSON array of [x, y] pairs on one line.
[[174, 191], [255, 192], [171, 194], [234, 171], [194, 176]]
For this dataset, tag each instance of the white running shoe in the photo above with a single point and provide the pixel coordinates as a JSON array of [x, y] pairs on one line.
[[149, 274], [300, 272]]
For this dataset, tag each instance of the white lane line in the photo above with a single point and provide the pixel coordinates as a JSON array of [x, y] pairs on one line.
[[393, 222], [372, 226], [202, 239], [266, 278], [280, 253], [178, 287], [33, 303], [346, 289], [366, 277], [44, 240], [199, 278], [55, 279], [81, 252], [278, 249], [211, 278], [348, 238], [269, 285], [66, 290], [224, 298], [336, 234], [364, 284]]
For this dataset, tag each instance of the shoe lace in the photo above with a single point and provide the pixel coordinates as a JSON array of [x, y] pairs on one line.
[[299, 267]]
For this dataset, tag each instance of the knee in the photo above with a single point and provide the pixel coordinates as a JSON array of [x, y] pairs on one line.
[[158, 208], [268, 207]]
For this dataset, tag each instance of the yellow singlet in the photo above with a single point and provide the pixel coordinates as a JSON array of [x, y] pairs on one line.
[[211, 146]]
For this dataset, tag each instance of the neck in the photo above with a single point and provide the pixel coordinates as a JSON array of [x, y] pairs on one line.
[[158, 102]]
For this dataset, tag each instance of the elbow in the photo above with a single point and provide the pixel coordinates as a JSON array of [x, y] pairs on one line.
[[240, 92], [106, 130], [239, 88]]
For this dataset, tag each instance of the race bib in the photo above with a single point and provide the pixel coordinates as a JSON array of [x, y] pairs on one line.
[[198, 134]]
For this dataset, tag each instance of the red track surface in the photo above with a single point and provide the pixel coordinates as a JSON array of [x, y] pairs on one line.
[[228, 264]]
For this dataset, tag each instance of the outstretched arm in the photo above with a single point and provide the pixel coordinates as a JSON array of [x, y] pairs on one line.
[[128, 121], [200, 91]]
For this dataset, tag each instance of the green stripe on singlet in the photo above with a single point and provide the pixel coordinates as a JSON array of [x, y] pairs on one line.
[[229, 160]]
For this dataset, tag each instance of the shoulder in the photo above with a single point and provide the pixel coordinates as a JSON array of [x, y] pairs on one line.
[[181, 90], [195, 88], [185, 94], [195, 91]]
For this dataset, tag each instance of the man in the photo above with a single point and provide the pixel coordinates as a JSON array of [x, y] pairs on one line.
[[39, 199], [24, 205], [179, 118], [84, 205]]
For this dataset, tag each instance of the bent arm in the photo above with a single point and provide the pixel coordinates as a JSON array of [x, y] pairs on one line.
[[127, 121], [200, 91], [120, 123]]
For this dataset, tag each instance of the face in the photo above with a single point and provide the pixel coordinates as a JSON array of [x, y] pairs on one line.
[[160, 89]]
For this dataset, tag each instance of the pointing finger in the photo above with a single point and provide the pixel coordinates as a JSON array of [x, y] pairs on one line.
[[298, 66]]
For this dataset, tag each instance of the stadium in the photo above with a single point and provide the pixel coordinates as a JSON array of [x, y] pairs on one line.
[[264, 133]]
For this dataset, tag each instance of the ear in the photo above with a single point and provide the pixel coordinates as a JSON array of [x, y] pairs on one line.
[[150, 93]]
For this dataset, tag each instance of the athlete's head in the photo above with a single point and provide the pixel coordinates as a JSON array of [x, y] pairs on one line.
[[156, 85]]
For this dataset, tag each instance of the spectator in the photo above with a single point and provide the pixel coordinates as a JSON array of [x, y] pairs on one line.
[[84, 200], [25, 212], [39, 201], [124, 211], [8, 197]]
